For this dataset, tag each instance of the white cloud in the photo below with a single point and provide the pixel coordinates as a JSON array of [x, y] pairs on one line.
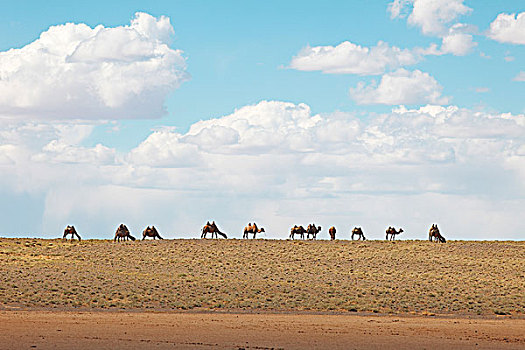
[[520, 76], [350, 58], [74, 71], [432, 16], [458, 44], [280, 164], [508, 28], [459, 40], [400, 87]]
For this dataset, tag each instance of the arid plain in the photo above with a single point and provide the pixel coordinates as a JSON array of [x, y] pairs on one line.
[[472, 293]]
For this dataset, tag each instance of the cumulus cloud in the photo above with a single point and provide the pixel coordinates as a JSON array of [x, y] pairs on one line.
[[459, 40], [73, 71], [437, 18], [400, 87], [520, 76], [350, 58], [508, 28], [432, 16], [279, 164]]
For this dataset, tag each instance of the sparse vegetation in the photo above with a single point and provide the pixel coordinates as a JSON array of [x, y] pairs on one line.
[[484, 278]]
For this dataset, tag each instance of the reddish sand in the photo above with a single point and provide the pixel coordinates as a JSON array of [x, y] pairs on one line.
[[144, 330]]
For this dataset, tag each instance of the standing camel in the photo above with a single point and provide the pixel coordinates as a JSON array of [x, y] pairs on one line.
[[70, 230], [252, 229], [151, 232], [332, 232], [435, 234], [213, 229], [357, 231], [297, 230], [392, 232], [312, 230], [123, 232]]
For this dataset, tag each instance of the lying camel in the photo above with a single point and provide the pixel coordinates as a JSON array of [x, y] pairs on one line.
[[435, 234], [297, 230], [213, 229], [332, 232], [150, 232], [252, 229], [123, 232], [357, 231], [70, 230], [392, 232], [312, 230]]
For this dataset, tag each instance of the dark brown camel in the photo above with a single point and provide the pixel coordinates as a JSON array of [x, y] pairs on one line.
[[252, 229], [312, 230], [70, 230], [392, 232], [213, 229], [332, 232], [357, 231], [123, 233], [435, 235], [151, 232], [297, 230]]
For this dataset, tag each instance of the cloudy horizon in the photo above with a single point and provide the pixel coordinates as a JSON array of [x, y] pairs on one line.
[[154, 117]]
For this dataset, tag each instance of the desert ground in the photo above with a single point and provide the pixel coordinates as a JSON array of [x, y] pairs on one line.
[[261, 294]]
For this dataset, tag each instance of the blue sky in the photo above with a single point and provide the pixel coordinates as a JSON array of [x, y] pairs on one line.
[[239, 53]]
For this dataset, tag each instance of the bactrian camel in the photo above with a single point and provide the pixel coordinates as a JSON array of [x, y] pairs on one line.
[[123, 233], [213, 229], [332, 232], [70, 230], [357, 231], [252, 229], [151, 232], [392, 232], [297, 230], [313, 231], [435, 235]]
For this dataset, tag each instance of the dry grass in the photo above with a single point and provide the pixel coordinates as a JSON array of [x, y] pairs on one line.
[[484, 278]]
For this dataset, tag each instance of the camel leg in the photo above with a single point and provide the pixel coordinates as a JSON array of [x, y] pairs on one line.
[[159, 236], [254, 235], [78, 236]]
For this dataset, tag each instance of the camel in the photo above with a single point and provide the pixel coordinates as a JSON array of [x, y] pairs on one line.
[[151, 232], [392, 232], [357, 231], [435, 234], [70, 230], [332, 232], [312, 230], [297, 230], [123, 232], [213, 229], [252, 229]]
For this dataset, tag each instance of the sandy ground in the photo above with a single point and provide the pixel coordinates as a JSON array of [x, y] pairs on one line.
[[149, 330]]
